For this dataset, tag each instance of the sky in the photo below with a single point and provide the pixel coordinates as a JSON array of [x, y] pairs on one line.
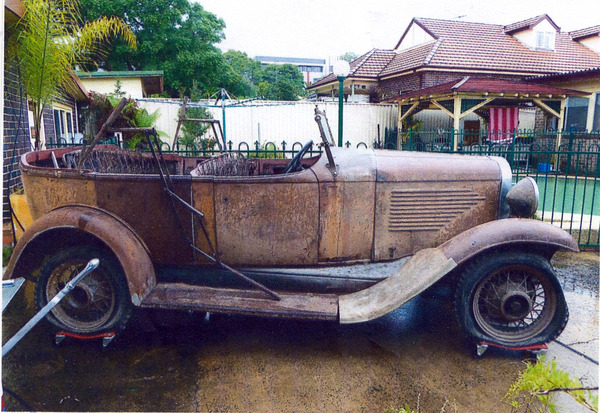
[[325, 28]]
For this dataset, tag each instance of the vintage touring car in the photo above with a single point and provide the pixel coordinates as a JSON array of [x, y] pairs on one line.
[[349, 235]]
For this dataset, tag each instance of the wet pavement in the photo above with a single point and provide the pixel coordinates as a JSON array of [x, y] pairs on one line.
[[186, 362]]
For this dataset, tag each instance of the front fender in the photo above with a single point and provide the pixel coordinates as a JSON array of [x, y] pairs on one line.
[[428, 266], [506, 233], [117, 235]]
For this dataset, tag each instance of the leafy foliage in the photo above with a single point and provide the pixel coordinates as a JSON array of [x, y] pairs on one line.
[[349, 56], [179, 37], [532, 391], [243, 74], [281, 82], [176, 36], [193, 132], [6, 254], [50, 40]]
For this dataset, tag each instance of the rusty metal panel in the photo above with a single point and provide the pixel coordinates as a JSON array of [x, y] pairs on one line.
[[412, 216], [346, 221], [508, 232], [423, 200], [420, 272], [346, 205], [249, 302], [203, 200], [356, 165], [402, 166], [45, 192], [142, 201], [268, 220], [131, 252]]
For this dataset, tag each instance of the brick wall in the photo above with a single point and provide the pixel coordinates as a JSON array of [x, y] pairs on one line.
[[421, 80], [48, 120], [16, 135], [392, 87]]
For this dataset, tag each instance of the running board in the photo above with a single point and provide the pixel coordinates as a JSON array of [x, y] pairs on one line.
[[178, 296]]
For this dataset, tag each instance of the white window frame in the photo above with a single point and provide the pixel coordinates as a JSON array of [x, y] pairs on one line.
[[63, 114], [544, 40]]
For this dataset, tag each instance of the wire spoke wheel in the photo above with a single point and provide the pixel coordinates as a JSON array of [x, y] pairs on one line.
[[90, 304], [98, 303], [511, 298], [514, 303]]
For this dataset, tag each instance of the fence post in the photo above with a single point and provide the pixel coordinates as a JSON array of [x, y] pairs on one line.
[[223, 112]]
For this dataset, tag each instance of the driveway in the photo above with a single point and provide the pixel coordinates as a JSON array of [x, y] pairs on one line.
[[414, 356]]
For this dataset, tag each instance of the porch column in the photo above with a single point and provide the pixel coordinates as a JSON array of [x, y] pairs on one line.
[[561, 123], [456, 118]]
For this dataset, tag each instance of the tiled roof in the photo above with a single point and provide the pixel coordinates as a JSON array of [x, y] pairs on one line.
[[587, 32], [368, 65], [467, 46], [412, 58], [593, 72], [482, 85], [480, 46], [528, 24]]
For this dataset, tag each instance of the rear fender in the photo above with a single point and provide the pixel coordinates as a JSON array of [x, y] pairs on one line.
[[508, 233], [57, 226]]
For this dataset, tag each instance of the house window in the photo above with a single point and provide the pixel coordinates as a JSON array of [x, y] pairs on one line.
[[544, 40], [63, 123], [577, 110]]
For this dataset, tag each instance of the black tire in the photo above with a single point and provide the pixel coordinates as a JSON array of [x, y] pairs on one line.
[[512, 299], [99, 302]]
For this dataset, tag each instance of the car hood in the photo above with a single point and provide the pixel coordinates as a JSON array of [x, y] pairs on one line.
[[400, 166]]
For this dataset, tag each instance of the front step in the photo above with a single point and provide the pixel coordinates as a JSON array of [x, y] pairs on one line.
[[180, 296]]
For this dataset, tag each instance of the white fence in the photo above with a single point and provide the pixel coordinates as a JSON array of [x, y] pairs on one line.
[[291, 122]]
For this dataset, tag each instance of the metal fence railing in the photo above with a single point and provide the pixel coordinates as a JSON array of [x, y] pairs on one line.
[[566, 166]]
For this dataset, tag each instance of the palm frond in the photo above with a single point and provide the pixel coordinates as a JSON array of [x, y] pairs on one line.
[[50, 40]]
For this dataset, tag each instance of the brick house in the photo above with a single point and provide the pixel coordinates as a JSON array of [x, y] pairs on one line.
[[432, 52]]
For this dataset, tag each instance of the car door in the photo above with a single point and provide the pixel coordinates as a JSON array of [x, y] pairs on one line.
[[267, 220]]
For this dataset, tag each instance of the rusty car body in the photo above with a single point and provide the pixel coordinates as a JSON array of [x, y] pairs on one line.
[[349, 235]]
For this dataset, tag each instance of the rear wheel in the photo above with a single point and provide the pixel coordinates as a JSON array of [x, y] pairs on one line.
[[512, 299], [98, 303]]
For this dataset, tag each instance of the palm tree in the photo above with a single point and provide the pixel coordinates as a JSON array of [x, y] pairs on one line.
[[50, 40]]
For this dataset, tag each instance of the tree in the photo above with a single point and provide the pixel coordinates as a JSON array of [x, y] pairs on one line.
[[174, 35], [281, 82], [243, 74], [49, 40], [349, 56]]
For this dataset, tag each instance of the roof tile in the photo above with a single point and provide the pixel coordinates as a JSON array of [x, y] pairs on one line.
[[587, 32], [481, 85]]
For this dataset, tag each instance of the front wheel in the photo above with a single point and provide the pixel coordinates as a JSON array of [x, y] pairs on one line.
[[98, 303], [511, 299]]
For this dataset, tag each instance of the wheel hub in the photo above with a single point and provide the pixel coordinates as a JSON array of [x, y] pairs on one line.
[[515, 305], [80, 297]]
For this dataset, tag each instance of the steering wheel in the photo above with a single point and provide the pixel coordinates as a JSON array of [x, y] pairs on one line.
[[295, 162]]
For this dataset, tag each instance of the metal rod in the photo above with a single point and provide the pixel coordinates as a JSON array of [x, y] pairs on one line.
[[184, 203], [91, 266], [166, 178], [113, 116]]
